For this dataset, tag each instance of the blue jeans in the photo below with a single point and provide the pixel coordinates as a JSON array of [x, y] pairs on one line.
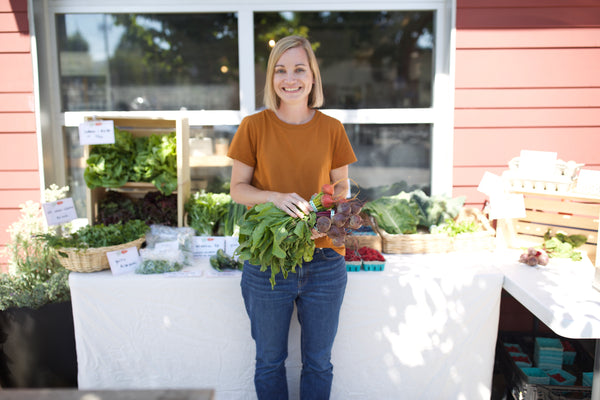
[[317, 289]]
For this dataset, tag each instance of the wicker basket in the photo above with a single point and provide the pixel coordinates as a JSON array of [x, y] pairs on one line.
[[93, 259], [356, 241], [485, 239], [439, 242]]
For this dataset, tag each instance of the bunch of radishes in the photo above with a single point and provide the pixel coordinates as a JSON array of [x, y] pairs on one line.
[[338, 217], [533, 257]]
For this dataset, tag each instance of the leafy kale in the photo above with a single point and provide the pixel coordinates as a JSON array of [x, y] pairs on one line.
[[406, 212]]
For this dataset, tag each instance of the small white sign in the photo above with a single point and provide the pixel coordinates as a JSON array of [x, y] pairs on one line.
[[538, 164], [588, 182], [507, 205], [97, 132], [491, 184], [206, 246], [171, 245], [123, 261], [60, 211], [231, 243]]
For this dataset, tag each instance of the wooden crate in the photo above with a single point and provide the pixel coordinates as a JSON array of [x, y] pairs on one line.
[[140, 127], [566, 212]]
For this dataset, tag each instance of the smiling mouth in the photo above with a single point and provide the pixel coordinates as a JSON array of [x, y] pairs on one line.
[[291, 90]]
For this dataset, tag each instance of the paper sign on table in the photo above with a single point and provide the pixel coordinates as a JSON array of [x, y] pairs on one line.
[[60, 211], [96, 132], [123, 261], [588, 182], [206, 246]]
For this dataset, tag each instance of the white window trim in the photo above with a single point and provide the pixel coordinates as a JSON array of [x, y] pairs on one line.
[[440, 115]]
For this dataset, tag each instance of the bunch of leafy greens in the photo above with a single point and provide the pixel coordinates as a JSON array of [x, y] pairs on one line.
[[93, 236], [452, 227], [156, 162], [153, 208], [409, 212], [110, 165], [563, 246], [213, 214], [134, 159], [272, 239]]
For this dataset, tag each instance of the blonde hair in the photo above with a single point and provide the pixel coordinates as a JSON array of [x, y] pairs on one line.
[[315, 98]]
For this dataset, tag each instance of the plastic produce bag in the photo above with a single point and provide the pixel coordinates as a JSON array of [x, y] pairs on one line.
[[169, 239]]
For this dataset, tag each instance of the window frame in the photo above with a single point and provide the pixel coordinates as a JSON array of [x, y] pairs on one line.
[[51, 119]]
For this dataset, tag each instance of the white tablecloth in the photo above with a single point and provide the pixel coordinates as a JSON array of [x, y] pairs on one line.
[[424, 328]]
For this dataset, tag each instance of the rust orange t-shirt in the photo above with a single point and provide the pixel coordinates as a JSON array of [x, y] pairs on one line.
[[292, 158]]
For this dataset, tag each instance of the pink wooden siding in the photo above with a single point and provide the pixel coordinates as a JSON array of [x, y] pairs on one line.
[[526, 78], [19, 169]]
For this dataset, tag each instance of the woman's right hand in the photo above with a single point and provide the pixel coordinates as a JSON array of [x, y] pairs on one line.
[[292, 203]]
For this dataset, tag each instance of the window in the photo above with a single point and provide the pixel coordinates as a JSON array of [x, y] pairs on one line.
[[133, 62], [385, 67]]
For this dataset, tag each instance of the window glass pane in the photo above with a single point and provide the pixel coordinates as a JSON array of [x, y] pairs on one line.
[[148, 61], [381, 59], [210, 168], [387, 155]]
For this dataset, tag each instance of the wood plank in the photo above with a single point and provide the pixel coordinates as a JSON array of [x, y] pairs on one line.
[[18, 152], [15, 42], [472, 147], [17, 102], [20, 180], [474, 198], [469, 176], [17, 122], [528, 17], [527, 98], [555, 219], [591, 210], [16, 72], [14, 22], [527, 38], [13, 5], [536, 229], [528, 117], [14, 198], [521, 68], [523, 3]]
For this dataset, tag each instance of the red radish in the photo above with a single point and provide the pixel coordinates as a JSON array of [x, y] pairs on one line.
[[327, 201], [327, 189]]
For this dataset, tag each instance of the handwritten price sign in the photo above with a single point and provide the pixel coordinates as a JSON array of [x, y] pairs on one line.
[[97, 132], [123, 261], [60, 211]]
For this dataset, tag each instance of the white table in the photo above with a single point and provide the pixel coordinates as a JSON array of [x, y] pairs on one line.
[[425, 327], [560, 295]]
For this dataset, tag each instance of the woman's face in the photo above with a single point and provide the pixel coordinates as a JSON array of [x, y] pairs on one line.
[[293, 78]]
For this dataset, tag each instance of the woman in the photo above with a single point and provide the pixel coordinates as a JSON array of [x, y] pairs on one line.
[[284, 155]]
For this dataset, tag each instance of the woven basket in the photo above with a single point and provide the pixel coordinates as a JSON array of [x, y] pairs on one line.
[[93, 259], [439, 242], [485, 239]]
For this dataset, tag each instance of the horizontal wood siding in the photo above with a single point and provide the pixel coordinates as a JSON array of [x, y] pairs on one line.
[[526, 78], [19, 169]]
